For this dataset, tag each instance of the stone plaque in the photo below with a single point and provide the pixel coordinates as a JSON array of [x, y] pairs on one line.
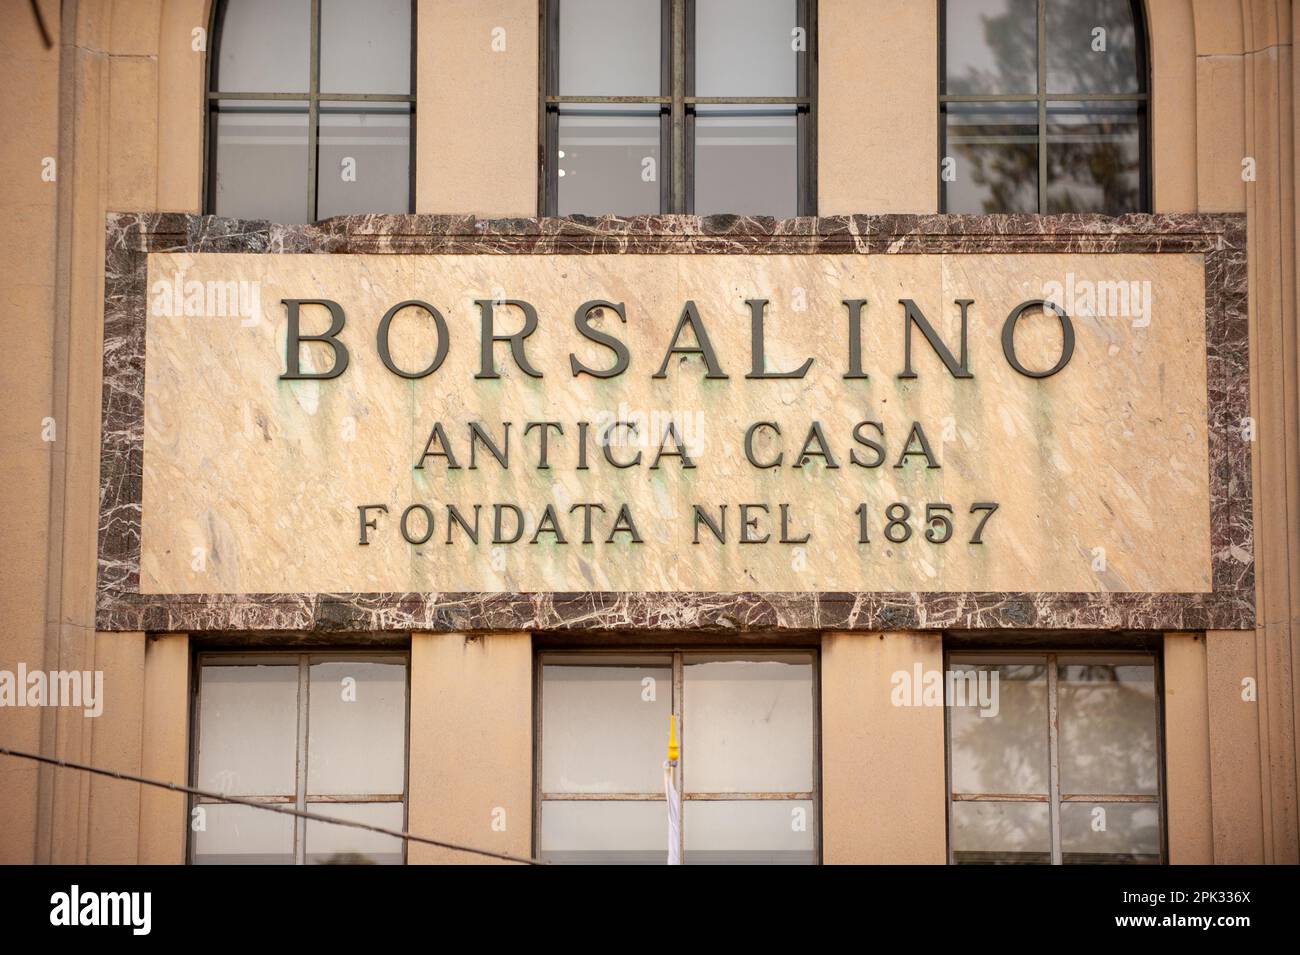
[[873, 422]]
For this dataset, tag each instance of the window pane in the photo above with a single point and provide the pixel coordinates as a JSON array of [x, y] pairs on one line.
[[1091, 47], [242, 835], [990, 46], [605, 833], [745, 48], [1094, 161], [749, 832], [261, 161], [1108, 728], [1001, 832], [239, 704], [365, 158], [264, 47], [1110, 833], [609, 48], [995, 153], [609, 161], [328, 844], [356, 728], [365, 47], [746, 161], [1006, 753], [747, 725], [605, 728]]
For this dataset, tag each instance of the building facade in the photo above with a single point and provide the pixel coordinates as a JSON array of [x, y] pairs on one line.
[[415, 407]]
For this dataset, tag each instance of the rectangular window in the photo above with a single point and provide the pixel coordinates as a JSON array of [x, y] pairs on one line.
[[748, 771], [1054, 758], [1043, 106], [310, 109], [325, 733], [703, 106]]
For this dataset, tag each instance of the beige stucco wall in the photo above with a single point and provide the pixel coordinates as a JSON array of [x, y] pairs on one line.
[[471, 744], [118, 104], [476, 113], [877, 96], [1188, 796], [883, 774], [29, 103]]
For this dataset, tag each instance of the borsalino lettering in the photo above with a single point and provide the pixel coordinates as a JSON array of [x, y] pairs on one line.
[[690, 336]]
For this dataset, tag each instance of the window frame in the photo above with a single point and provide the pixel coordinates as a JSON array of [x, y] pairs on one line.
[[679, 655], [1042, 97], [1055, 798], [676, 102], [303, 660], [312, 97]]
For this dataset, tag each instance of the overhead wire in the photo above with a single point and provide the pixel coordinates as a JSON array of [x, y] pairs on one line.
[[268, 807]]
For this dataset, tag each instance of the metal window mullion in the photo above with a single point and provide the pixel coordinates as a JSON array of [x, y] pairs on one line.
[[538, 664], [300, 824], [947, 710], [313, 111], [1053, 758], [301, 95], [750, 795], [678, 708], [1042, 106], [677, 138], [574, 100], [995, 98], [257, 797]]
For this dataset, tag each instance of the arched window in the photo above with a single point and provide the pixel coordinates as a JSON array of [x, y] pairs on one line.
[[310, 105], [704, 106], [1043, 106]]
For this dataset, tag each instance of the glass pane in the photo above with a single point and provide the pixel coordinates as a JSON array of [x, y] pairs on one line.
[[1005, 752], [1110, 833], [365, 47], [609, 47], [605, 728], [605, 833], [609, 161], [746, 161], [1094, 160], [990, 46], [994, 154], [261, 161], [749, 832], [1108, 728], [746, 48], [1091, 47], [357, 728], [747, 725], [264, 47], [1001, 832], [242, 835], [240, 706], [364, 159], [328, 844]]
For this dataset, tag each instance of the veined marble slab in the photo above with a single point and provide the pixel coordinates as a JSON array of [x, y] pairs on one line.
[[235, 498]]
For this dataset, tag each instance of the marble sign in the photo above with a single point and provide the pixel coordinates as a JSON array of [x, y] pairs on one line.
[[413, 422]]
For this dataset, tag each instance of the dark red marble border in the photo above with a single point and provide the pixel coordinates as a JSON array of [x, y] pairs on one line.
[[1222, 238]]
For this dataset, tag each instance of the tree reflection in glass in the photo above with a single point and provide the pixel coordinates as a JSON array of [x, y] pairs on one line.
[[1051, 122]]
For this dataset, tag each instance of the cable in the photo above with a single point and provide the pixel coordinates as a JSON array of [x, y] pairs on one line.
[[302, 814]]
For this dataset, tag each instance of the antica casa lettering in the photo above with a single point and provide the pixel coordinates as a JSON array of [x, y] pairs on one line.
[[585, 446], [690, 336]]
